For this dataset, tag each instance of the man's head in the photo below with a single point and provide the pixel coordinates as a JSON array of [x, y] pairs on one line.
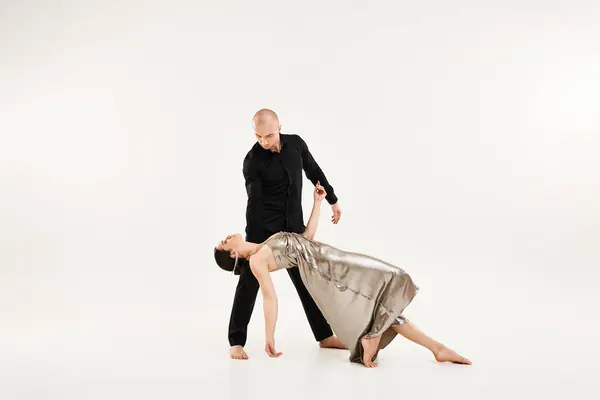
[[266, 129], [227, 252]]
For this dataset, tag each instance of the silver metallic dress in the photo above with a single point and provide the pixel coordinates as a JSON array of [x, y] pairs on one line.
[[359, 295]]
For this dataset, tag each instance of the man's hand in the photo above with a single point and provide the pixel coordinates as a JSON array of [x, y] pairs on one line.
[[337, 212], [270, 348]]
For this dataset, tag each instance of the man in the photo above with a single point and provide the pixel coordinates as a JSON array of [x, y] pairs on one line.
[[273, 174]]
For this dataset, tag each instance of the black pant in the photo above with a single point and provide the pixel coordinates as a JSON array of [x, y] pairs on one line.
[[243, 304]]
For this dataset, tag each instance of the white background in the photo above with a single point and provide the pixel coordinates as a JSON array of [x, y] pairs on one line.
[[462, 139]]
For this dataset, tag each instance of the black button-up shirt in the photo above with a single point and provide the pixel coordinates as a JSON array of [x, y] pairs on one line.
[[274, 187]]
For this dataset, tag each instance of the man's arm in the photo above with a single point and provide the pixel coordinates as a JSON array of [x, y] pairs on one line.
[[254, 206], [314, 172]]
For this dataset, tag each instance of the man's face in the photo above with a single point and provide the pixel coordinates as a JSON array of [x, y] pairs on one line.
[[267, 134]]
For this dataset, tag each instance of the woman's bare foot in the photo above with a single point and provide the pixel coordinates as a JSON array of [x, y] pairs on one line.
[[332, 342], [238, 353], [444, 354], [370, 348]]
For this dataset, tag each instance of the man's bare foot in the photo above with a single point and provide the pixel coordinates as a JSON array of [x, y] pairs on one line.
[[370, 348], [445, 354], [238, 353], [332, 342]]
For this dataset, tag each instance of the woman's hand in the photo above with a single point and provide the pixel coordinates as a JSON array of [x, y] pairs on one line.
[[320, 192], [270, 348]]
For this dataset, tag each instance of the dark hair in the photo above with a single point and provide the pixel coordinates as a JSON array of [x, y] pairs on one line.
[[226, 263]]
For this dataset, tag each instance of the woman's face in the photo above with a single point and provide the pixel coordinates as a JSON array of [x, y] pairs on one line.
[[231, 243]]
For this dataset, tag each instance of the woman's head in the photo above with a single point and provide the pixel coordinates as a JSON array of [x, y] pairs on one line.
[[228, 253], [231, 243]]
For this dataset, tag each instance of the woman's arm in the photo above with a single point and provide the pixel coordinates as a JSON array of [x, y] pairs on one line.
[[260, 268], [313, 221]]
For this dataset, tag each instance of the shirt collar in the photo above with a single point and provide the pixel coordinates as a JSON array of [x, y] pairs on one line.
[[281, 140]]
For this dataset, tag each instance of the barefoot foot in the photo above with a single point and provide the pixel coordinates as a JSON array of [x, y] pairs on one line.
[[370, 348], [332, 342], [238, 353], [445, 354]]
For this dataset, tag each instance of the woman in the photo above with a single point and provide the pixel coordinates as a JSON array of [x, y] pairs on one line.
[[361, 297]]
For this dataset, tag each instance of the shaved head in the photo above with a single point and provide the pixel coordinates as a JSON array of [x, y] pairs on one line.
[[265, 116], [266, 129]]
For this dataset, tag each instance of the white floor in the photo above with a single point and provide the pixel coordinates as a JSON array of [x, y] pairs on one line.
[[163, 335]]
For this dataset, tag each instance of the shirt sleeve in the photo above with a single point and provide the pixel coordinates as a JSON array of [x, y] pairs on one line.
[[314, 172], [254, 206]]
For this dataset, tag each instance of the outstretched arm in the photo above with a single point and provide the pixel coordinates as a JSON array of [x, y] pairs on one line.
[[313, 221], [260, 268], [314, 172]]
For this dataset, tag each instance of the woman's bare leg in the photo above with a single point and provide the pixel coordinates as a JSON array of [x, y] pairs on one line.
[[441, 352]]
